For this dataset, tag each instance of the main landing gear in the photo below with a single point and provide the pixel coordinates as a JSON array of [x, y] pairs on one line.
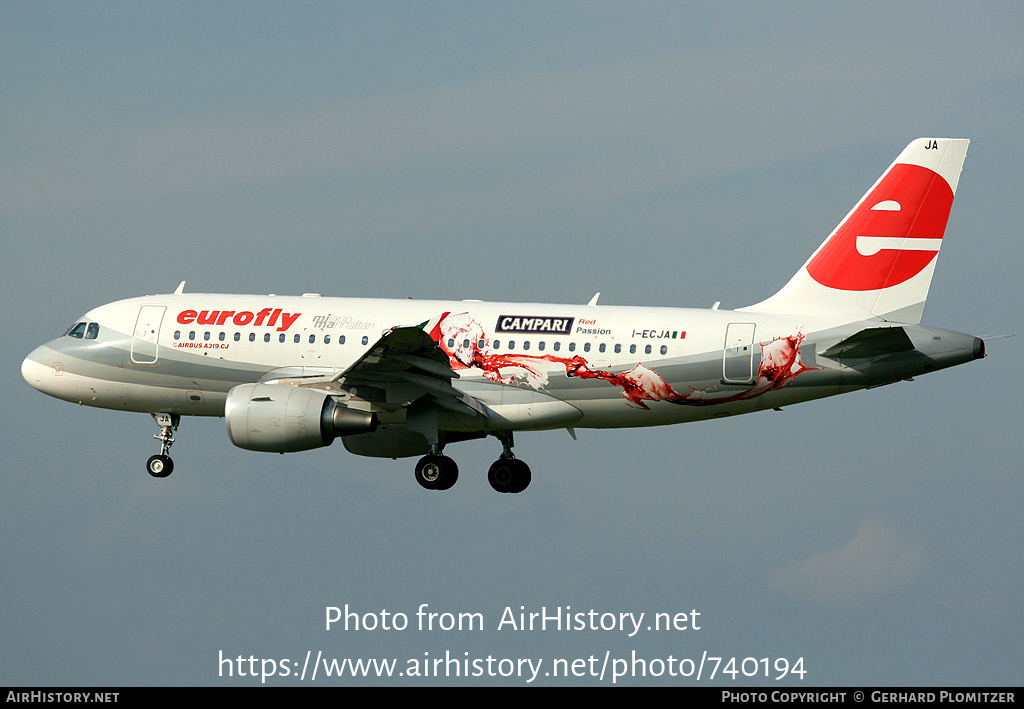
[[436, 471], [160, 466], [507, 474]]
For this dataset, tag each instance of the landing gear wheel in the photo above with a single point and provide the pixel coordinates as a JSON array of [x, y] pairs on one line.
[[160, 466], [509, 475], [437, 472]]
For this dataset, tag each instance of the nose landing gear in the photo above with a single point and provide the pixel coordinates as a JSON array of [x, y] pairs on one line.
[[160, 466]]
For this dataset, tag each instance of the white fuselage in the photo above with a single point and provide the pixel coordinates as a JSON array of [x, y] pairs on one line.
[[615, 366]]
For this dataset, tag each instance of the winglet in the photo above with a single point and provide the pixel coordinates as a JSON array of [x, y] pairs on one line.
[[180, 289]]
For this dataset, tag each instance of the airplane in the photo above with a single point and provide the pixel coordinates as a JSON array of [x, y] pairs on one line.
[[404, 378]]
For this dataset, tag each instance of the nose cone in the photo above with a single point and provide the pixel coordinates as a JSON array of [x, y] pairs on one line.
[[34, 371]]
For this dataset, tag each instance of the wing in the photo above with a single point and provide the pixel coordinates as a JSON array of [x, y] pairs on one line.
[[404, 366]]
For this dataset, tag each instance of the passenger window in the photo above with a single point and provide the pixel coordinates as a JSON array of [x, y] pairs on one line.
[[92, 331], [618, 348], [266, 338], [366, 340], [557, 346], [221, 336], [601, 347], [206, 335], [664, 349], [191, 334], [511, 344], [327, 339], [297, 338], [480, 344], [497, 344], [586, 347], [177, 334], [341, 339], [540, 345], [526, 345], [252, 337], [647, 350], [281, 338], [465, 344], [632, 349], [572, 346], [451, 343], [238, 336]]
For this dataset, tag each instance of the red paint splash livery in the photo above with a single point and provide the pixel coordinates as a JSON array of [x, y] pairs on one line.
[[909, 202], [780, 364], [239, 318]]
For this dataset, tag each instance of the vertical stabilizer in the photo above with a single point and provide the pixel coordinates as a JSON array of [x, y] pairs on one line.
[[879, 261]]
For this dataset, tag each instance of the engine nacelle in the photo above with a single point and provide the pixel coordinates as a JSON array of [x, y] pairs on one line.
[[285, 419]]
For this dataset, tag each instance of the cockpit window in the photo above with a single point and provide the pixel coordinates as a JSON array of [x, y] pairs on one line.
[[88, 330]]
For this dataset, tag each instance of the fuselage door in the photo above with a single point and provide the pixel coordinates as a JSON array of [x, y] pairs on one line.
[[738, 354], [145, 339]]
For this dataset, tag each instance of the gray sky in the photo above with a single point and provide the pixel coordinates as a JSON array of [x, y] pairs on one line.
[[662, 153]]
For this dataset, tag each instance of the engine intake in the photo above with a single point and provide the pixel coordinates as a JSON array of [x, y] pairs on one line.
[[286, 419]]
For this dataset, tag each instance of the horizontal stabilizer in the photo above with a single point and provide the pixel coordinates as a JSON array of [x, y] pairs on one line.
[[873, 342]]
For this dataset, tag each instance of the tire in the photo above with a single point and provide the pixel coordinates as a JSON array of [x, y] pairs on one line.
[[449, 473], [499, 475], [436, 472], [523, 477], [509, 475], [159, 466]]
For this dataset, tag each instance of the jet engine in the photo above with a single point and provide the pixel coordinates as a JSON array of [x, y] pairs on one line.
[[285, 419]]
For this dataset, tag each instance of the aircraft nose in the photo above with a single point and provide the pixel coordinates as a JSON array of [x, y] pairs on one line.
[[33, 371]]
